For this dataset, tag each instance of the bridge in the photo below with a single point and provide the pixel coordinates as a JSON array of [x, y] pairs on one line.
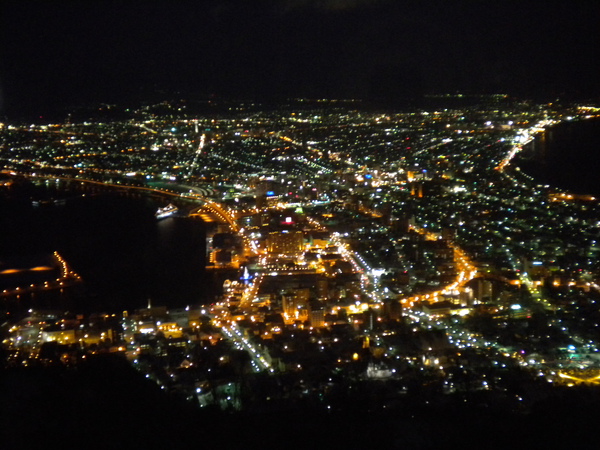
[[213, 212]]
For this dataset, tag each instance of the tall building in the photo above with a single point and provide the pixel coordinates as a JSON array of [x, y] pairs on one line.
[[317, 318], [322, 288], [393, 308], [285, 243], [483, 290]]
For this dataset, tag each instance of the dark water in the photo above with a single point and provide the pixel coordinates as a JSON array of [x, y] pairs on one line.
[[124, 255], [567, 157]]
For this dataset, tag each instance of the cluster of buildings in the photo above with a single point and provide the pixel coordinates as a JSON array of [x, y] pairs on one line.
[[399, 252]]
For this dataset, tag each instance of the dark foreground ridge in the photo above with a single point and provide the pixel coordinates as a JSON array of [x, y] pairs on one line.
[[106, 402]]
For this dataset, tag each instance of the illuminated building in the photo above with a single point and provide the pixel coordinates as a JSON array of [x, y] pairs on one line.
[[322, 288], [285, 243], [59, 335], [317, 318], [170, 330], [295, 304], [483, 290]]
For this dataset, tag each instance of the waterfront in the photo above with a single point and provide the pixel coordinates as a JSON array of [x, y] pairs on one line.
[[124, 255], [566, 156], [391, 263]]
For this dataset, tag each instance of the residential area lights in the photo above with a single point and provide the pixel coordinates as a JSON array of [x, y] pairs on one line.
[[467, 272], [404, 247]]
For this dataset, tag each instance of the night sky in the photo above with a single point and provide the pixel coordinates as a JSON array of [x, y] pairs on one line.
[[56, 55]]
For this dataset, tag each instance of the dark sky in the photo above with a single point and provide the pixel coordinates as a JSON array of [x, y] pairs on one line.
[[58, 54]]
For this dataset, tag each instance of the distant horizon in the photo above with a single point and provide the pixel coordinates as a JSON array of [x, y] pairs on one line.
[[424, 101], [62, 54]]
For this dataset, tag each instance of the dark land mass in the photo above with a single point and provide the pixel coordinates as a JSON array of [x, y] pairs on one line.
[[106, 403]]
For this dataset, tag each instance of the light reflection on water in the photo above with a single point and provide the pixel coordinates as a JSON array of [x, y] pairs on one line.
[[123, 253]]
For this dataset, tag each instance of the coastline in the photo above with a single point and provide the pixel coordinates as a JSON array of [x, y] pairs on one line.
[[114, 241], [523, 137], [564, 157]]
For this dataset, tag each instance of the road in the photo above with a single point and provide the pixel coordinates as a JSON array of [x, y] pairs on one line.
[[260, 360]]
